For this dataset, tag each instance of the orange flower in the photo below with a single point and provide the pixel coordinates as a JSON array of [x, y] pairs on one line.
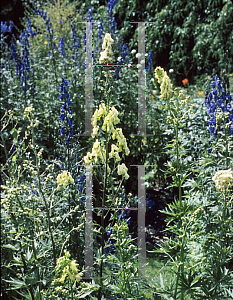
[[184, 81], [201, 94]]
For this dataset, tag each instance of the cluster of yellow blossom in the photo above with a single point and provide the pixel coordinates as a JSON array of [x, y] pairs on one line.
[[64, 179], [97, 116], [164, 81], [105, 55], [72, 272], [223, 179], [114, 152], [98, 151], [122, 170], [122, 143], [66, 268], [110, 118], [28, 110]]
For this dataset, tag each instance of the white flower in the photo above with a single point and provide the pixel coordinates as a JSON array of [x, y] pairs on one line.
[[133, 51], [138, 55], [119, 58]]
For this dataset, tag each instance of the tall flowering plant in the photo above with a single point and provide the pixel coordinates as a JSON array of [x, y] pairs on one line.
[[107, 152], [220, 117], [219, 109], [178, 108]]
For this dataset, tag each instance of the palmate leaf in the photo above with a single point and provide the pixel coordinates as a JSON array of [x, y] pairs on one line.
[[16, 283], [93, 288], [8, 246]]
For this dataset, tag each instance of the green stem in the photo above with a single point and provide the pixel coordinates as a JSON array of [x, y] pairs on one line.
[[72, 292], [102, 216]]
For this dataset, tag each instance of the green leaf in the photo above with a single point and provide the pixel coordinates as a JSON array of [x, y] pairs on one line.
[[14, 133], [10, 247]]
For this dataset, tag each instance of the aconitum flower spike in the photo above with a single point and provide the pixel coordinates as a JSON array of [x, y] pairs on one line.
[[228, 107], [213, 84], [219, 103], [231, 129], [68, 139]]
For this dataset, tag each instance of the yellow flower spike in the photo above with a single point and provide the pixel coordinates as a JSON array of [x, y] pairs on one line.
[[114, 152], [166, 87], [64, 179], [122, 170], [108, 41], [105, 55], [164, 81], [159, 74], [87, 158]]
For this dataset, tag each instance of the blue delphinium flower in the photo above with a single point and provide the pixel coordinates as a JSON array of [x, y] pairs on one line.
[[15, 57], [23, 68], [100, 33], [150, 62], [25, 62], [149, 202], [4, 27], [124, 215], [49, 25], [113, 26], [75, 44], [90, 18], [215, 104], [110, 247], [111, 5], [62, 47], [124, 58], [66, 112]]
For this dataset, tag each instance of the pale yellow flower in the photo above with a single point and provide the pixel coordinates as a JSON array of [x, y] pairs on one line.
[[223, 179], [164, 81], [64, 179], [87, 158], [110, 120], [105, 56], [159, 74], [28, 110], [114, 152], [97, 116], [98, 152], [122, 144], [166, 87], [108, 41], [122, 170]]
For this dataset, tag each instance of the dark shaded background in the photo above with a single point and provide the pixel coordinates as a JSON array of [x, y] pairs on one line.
[[12, 10]]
